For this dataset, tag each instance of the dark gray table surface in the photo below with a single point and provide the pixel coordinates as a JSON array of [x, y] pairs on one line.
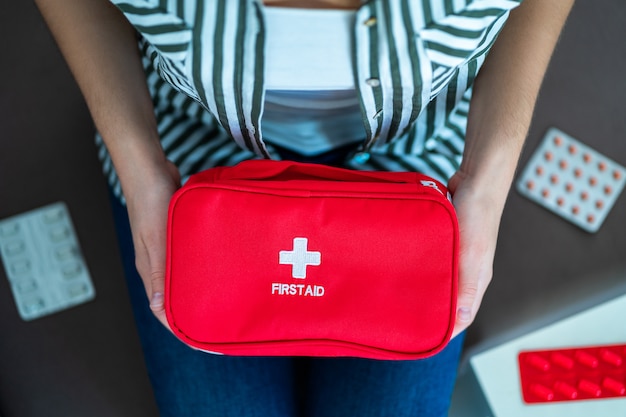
[[86, 361]]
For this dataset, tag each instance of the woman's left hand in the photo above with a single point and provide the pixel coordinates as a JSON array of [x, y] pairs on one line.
[[503, 99], [478, 213]]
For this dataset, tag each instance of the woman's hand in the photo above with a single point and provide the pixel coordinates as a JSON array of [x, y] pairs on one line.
[[148, 204], [100, 47], [504, 96], [478, 213]]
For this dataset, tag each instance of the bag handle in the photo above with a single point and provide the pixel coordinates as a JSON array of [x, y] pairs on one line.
[[265, 169]]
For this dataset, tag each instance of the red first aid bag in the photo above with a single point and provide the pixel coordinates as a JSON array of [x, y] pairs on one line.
[[271, 258]]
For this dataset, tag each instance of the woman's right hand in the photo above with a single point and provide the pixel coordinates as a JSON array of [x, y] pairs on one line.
[[100, 47], [148, 203]]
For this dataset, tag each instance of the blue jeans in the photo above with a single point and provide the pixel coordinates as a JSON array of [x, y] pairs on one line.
[[191, 383]]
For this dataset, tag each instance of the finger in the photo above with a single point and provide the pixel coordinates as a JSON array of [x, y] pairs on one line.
[[154, 282], [157, 287], [157, 305], [474, 277], [465, 311]]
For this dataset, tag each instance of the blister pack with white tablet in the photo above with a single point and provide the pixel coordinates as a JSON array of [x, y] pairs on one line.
[[572, 180], [43, 261]]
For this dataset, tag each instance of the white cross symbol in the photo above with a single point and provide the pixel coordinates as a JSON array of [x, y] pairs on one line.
[[299, 258]]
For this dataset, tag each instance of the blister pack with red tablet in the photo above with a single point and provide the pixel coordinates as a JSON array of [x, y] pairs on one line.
[[572, 180], [572, 374]]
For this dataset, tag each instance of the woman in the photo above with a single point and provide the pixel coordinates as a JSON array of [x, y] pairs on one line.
[[440, 86]]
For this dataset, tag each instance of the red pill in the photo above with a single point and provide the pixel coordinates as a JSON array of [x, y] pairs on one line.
[[562, 360], [542, 392], [590, 388], [538, 362], [586, 359], [610, 357], [614, 386], [570, 392]]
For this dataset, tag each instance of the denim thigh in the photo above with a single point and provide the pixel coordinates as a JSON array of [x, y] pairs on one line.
[[371, 388]]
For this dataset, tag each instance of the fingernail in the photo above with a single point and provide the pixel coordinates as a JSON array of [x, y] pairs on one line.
[[157, 301], [464, 314]]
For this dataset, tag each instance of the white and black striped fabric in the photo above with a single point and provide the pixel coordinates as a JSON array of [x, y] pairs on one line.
[[414, 64]]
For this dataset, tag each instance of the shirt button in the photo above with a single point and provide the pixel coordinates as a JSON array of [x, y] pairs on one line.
[[431, 144], [370, 22], [373, 82], [361, 157]]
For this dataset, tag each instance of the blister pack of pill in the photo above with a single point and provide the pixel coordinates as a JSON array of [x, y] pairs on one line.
[[43, 261], [583, 373], [572, 180]]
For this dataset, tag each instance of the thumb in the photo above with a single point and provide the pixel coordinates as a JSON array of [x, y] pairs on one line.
[[156, 292], [465, 309], [157, 299], [475, 273], [150, 264]]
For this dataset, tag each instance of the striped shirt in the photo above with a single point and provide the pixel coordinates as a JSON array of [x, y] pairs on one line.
[[414, 63]]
